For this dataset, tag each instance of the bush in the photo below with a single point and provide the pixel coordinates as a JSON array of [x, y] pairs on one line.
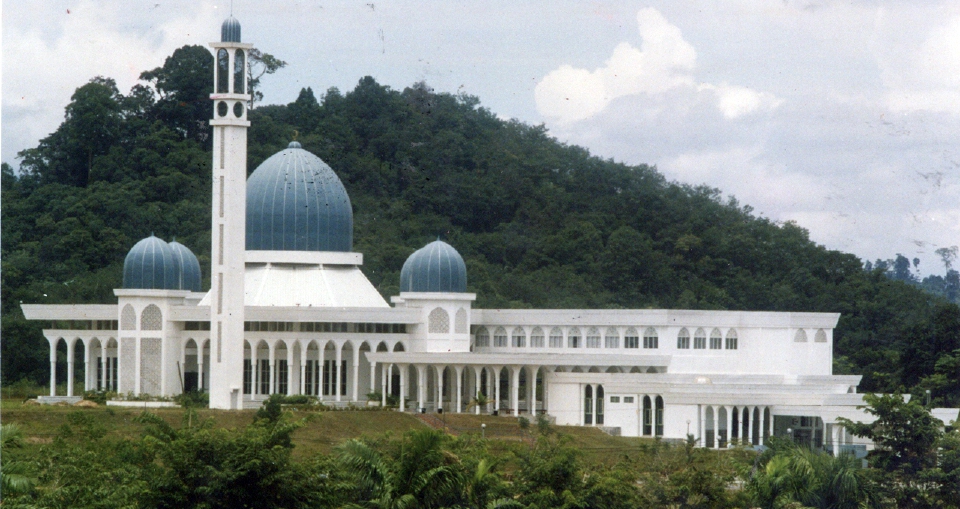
[[193, 399]]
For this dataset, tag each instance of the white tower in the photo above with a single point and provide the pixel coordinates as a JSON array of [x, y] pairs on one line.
[[228, 245]]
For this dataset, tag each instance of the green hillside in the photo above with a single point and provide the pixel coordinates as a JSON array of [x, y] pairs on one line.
[[539, 223]]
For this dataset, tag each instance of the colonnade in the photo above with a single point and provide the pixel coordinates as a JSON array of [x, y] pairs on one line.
[[721, 424], [93, 348]]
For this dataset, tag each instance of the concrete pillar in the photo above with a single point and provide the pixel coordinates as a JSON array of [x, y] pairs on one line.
[[421, 386], [88, 384], [387, 372], [373, 377], [104, 380], [403, 388], [440, 380], [459, 371], [290, 370], [496, 386], [200, 363], [355, 385], [716, 427], [532, 390], [254, 350], [771, 421], [730, 427], [702, 432], [53, 368], [70, 354], [136, 365], [515, 389], [321, 364], [303, 368], [337, 370], [476, 390]]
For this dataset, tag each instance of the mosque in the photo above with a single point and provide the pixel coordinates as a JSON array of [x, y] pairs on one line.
[[289, 311]]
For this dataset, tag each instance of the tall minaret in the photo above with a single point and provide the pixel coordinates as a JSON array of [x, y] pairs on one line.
[[230, 99]]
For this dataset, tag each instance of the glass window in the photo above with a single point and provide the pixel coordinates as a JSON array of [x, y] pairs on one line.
[[683, 339], [483, 337], [238, 72], [716, 340], [556, 338], [628, 399], [223, 72], [500, 337], [593, 338], [700, 340], [611, 339], [731, 339], [650, 338], [614, 399], [631, 339], [536, 338], [519, 338]]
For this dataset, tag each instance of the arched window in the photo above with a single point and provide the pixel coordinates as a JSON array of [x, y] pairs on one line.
[[556, 338], [500, 337], [650, 338], [239, 72], [439, 321], [611, 339], [573, 338], [519, 338], [683, 339], [700, 339], [647, 416], [820, 336], [460, 326], [631, 339], [223, 72], [593, 337], [128, 318], [151, 318], [658, 430], [536, 338], [599, 405], [716, 339], [732, 339], [588, 405], [800, 336], [482, 337]]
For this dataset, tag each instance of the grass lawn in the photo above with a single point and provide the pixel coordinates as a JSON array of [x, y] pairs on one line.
[[322, 431]]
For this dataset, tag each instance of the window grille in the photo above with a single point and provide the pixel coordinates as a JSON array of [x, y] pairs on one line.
[[683, 339]]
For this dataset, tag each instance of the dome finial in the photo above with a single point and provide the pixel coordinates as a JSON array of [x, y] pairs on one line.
[[295, 134]]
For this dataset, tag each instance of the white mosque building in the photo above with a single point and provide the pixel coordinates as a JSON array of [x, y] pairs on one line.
[[289, 311]]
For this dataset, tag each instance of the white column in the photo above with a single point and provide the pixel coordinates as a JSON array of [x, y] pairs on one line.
[[716, 427], [103, 368], [387, 372], [200, 366], [272, 356], [87, 348], [496, 386], [403, 386], [532, 389], [321, 364], [254, 350], [53, 367], [476, 389], [459, 370], [71, 345], [702, 432], [356, 374], [303, 368], [373, 377], [771, 422], [730, 427], [421, 386], [339, 368], [136, 365], [515, 390], [290, 369], [440, 372], [753, 424]]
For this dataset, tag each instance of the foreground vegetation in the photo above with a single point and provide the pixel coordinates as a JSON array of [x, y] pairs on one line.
[[126, 458]]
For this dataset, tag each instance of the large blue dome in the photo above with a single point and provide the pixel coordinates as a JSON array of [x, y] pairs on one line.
[[149, 266], [188, 267], [436, 267], [295, 202]]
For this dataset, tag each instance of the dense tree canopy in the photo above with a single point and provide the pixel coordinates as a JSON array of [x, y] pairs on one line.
[[539, 223]]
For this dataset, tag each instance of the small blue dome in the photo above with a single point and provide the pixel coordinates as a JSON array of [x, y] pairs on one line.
[[295, 202], [230, 30], [188, 267], [437, 267], [149, 266]]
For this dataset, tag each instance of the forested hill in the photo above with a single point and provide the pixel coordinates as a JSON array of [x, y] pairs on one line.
[[540, 223]]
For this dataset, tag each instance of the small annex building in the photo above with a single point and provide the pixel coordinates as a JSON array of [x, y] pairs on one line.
[[290, 311]]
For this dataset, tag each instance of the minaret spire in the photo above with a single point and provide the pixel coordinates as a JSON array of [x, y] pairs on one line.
[[228, 244]]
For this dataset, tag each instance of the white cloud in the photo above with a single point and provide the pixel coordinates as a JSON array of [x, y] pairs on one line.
[[734, 101], [664, 62]]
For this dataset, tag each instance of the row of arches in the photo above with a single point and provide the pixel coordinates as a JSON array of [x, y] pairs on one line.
[[818, 337], [151, 318], [98, 357], [722, 426], [592, 337], [438, 321]]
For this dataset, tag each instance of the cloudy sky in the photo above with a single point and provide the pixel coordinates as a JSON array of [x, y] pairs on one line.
[[841, 116]]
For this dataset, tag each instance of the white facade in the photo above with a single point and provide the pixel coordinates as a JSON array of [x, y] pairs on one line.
[[309, 322]]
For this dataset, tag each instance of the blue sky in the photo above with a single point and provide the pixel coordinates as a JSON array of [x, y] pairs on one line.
[[841, 116]]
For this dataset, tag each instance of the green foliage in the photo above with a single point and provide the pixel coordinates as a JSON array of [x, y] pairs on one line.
[[193, 399]]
